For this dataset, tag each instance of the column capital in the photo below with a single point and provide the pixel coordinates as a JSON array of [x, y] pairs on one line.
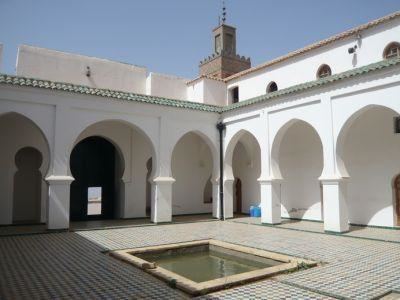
[[332, 179], [59, 179], [164, 180], [266, 180]]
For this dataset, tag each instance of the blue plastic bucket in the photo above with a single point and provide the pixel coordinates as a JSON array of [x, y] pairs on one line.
[[257, 212], [252, 211]]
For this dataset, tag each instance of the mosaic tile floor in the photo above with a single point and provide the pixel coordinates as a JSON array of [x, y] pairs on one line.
[[382, 234], [72, 265]]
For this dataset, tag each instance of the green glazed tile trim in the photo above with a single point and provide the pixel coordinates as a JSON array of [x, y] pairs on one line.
[[80, 89]]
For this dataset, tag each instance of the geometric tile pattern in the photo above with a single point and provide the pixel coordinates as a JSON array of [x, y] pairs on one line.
[[375, 233], [73, 265]]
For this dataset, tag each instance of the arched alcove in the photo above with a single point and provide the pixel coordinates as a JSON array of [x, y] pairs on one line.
[[243, 168], [297, 159], [27, 190], [367, 151], [20, 132], [191, 166]]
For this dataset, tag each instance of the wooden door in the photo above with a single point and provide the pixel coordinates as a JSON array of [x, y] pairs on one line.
[[238, 188]]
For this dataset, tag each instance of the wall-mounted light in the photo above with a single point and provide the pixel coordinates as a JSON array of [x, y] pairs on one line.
[[353, 49], [88, 72]]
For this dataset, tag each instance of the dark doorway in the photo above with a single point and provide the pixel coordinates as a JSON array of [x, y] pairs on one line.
[[27, 186], [397, 194], [238, 195], [149, 166], [93, 192]]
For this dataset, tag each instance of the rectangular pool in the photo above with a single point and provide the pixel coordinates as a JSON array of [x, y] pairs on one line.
[[205, 266]]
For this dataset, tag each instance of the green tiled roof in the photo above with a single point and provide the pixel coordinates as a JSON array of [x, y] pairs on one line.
[[81, 89], [67, 87]]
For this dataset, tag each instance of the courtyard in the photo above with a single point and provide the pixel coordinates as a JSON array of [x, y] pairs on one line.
[[76, 264]]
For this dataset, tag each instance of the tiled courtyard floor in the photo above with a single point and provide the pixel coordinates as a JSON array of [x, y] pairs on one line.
[[376, 233], [72, 265]]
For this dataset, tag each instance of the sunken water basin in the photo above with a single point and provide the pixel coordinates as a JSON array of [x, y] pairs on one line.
[[205, 266]]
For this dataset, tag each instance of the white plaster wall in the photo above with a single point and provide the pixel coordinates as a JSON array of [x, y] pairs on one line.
[[167, 86], [303, 68], [207, 91], [18, 132], [301, 164], [246, 166], [71, 68], [214, 92], [192, 167], [371, 156], [195, 91]]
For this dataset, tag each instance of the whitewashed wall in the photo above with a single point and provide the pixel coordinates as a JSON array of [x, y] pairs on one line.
[[168, 86], [207, 91], [67, 67], [304, 67]]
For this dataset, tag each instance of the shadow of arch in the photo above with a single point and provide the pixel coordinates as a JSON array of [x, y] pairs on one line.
[[297, 159], [192, 165], [27, 186], [18, 131], [367, 155]]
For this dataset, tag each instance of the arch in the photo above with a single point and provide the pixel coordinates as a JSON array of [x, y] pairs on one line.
[[192, 165], [93, 164], [367, 149], [105, 133], [272, 87], [20, 131], [324, 71], [392, 50], [242, 167], [297, 159]]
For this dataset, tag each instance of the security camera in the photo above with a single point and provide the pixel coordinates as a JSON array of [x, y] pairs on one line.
[[352, 50]]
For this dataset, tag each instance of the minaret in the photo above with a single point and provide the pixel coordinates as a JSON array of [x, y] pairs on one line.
[[224, 62]]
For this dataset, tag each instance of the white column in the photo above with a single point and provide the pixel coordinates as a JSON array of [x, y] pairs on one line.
[[228, 198], [161, 202], [58, 204], [270, 201], [335, 207], [216, 205]]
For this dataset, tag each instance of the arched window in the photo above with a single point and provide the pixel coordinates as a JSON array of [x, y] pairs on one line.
[[324, 71], [272, 87], [392, 51]]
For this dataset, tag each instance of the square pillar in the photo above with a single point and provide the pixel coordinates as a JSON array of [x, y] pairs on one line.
[[335, 208], [161, 200], [270, 191], [58, 204], [228, 198], [216, 205]]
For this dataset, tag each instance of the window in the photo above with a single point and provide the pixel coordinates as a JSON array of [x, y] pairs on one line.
[[392, 51], [397, 125], [218, 44], [324, 71], [272, 87], [234, 94]]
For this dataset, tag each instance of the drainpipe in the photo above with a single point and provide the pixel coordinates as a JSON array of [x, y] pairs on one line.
[[221, 127]]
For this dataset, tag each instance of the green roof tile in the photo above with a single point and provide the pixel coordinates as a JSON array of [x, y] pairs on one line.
[[46, 84]]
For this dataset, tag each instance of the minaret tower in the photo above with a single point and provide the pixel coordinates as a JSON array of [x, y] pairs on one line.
[[224, 62]]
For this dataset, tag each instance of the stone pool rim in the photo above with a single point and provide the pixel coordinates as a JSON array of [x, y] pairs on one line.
[[289, 263]]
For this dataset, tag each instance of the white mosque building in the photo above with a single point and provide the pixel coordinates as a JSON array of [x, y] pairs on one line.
[[311, 135]]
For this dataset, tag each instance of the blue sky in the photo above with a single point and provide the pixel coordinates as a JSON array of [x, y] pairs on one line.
[[172, 36]]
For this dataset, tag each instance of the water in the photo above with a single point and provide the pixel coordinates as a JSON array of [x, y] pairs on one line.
[[205, 265]]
